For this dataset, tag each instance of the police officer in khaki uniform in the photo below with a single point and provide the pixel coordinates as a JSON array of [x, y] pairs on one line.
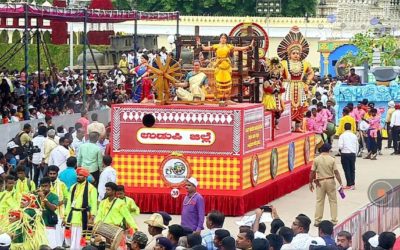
[[323, 173]]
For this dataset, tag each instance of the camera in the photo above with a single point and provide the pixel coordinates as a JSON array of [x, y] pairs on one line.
[[266, 209], [29, 150]]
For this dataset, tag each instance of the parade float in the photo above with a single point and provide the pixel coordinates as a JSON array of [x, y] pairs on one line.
[[374, 59], [238, 157], [240, 160]]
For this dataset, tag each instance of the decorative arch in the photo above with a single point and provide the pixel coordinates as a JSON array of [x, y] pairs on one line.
[[337, 54], [334, 56]]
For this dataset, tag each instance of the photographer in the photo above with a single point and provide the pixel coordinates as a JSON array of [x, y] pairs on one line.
[[24, 137], [38, 158], [259, 227]]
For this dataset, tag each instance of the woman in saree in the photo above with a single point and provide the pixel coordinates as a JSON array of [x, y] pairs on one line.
[[143, 86]]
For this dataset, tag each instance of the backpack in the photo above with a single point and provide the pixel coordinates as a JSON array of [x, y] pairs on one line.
[[17, 141], [17, 138]]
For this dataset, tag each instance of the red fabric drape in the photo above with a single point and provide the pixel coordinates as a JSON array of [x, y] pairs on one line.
[[234, 203], [101, 5]]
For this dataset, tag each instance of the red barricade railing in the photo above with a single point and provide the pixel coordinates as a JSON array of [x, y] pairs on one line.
[[380, 215]]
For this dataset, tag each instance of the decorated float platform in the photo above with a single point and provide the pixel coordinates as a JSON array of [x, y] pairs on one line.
[[239, 160]]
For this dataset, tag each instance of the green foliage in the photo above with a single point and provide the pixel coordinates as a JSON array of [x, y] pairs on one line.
[[366, 42], [16, 36], [59, 55], [122, 4], [296, 8], [47, 37], [4, 36], [293, 8]]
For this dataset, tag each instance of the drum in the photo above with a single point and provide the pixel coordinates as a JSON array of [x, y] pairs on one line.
[[330, 129], [319, 140], [363, 125], [111, 233]]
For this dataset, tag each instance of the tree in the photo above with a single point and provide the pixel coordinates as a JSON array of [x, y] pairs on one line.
[[122, 4], [296, 8], [4, 36], [366, 42], [16, 36]]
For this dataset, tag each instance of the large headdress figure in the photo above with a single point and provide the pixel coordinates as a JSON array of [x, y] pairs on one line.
[[293, 41]]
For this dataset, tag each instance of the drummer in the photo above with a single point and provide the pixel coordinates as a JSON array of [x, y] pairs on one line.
[[321, 120], [316, 125], [113, 210]]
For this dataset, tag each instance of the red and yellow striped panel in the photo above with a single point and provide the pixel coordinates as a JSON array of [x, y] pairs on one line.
[[264, 162], [143, 171]]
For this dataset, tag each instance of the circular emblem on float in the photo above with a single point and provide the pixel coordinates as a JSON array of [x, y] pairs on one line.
[[257, 30], [291, 156], [174, 170], [274, 163], [175, 193], [307, 150], [254, 170]]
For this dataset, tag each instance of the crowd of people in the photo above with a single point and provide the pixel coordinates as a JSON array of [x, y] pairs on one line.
[[62, 212], [58, 185], [43, 94]]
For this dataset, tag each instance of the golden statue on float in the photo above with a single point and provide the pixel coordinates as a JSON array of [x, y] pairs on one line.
[[297, 73], [223, 67]]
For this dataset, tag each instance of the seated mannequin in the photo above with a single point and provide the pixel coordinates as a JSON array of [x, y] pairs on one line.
[[193, 89]]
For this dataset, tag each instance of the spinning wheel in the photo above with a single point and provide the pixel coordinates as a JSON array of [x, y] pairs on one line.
[[165, 76]]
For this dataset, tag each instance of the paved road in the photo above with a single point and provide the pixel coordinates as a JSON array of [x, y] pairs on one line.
[[303, 201]]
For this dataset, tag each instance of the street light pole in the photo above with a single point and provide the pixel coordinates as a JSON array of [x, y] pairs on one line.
[[84, 57], [26, 47]]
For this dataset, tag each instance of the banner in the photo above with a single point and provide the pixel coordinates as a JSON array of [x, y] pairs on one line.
[[77, 15]]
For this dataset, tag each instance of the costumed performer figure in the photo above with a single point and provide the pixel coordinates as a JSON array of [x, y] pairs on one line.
[[223, 68], [114, 211], [81, 210], [193, 89], [273, 90], [49, 202], [25, 225], [7, 197], [293, 50], [142, 89], [60, 189]]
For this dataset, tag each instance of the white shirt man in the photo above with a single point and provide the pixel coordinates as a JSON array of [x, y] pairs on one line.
[[38, 141], [395, 125], [79, 139], [59, 156], [120, 78], [109, 174], [395, 120], [348, 146], [50, 144], [348, 143], [131, 59]]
